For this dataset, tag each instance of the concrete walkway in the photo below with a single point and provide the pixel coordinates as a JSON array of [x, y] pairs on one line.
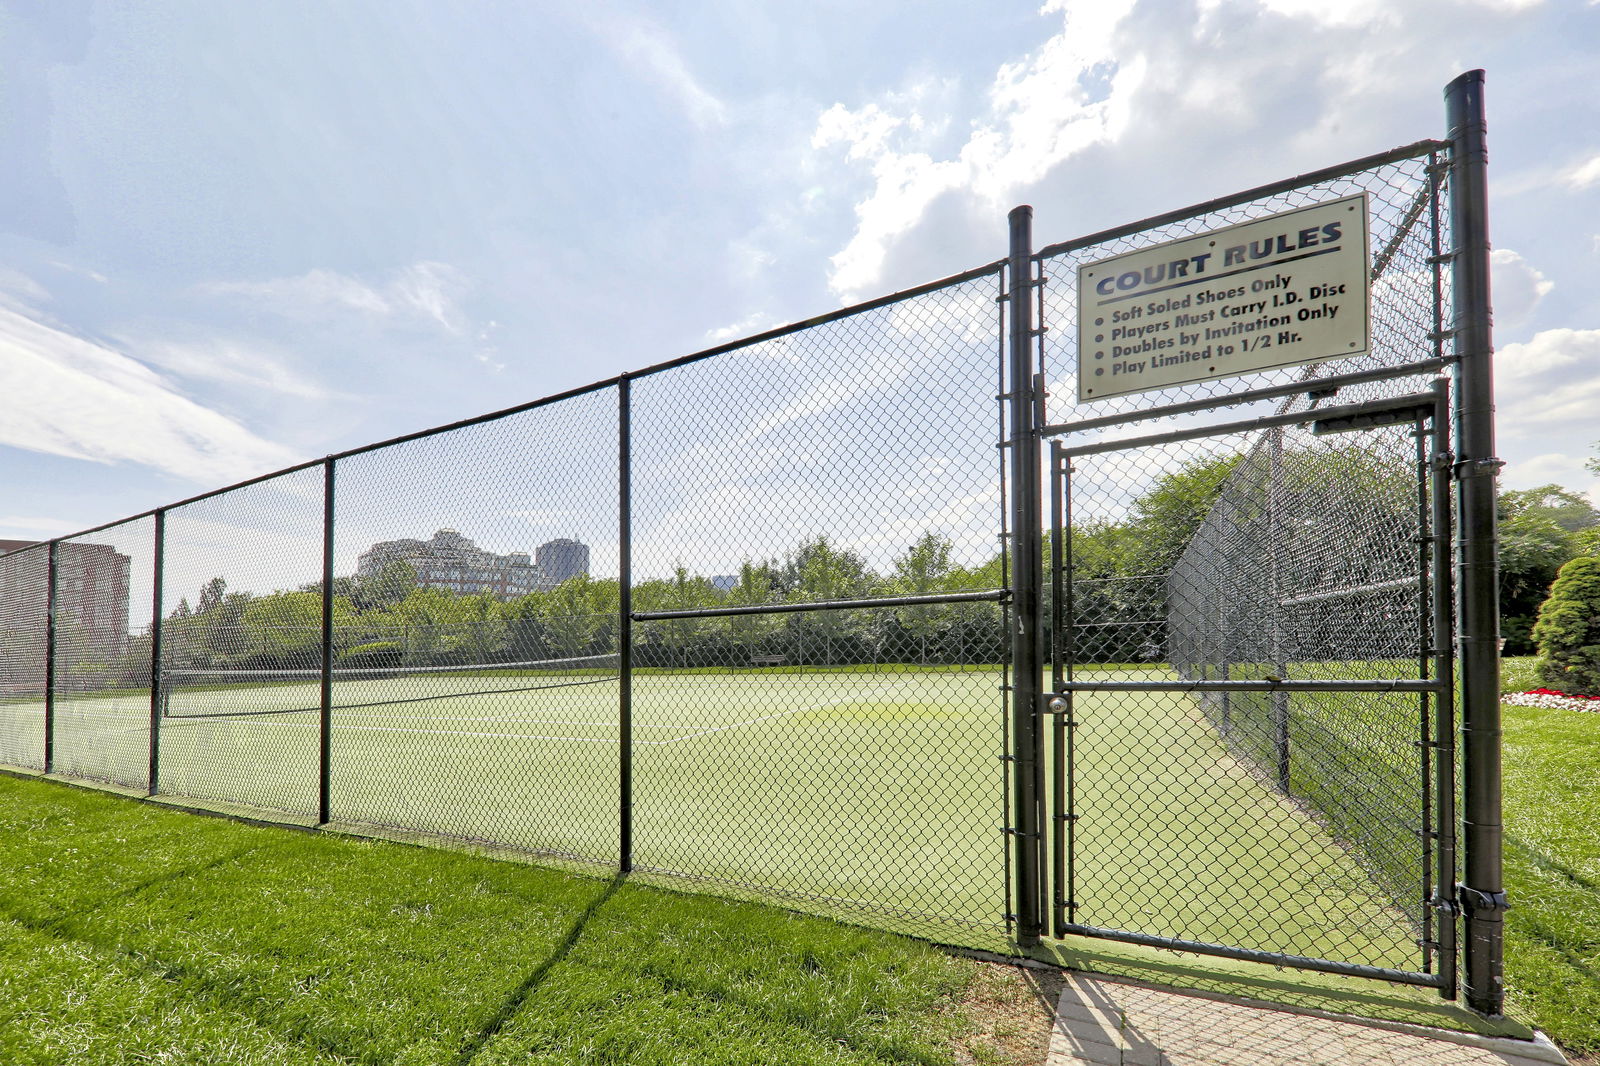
[[1116, 1023]]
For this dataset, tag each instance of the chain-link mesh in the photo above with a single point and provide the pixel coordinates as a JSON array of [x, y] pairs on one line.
[[241, 592], [102, 651], [1305, 567], [848, 757], [1249, 557], [24, 591], [476, 689]]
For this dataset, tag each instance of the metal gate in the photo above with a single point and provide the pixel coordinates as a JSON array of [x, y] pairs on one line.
[[1267, 599], [1250, 722]]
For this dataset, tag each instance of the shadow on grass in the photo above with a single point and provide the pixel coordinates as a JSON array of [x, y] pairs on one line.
[[530, 984]]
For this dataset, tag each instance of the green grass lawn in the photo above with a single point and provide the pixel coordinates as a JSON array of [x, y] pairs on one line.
[[129, 933], [874, 796], [1552, 854]]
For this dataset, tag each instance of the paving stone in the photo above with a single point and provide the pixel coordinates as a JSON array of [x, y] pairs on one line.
[[1116, 1023]]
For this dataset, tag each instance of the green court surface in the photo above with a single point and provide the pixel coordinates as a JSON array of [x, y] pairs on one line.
[[872, 796]]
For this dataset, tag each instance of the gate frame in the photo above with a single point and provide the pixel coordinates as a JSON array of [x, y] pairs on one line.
[[1429, 413], [1479, 898]]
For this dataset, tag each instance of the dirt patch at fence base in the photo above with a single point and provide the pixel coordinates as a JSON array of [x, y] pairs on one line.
[[1011, 1010]]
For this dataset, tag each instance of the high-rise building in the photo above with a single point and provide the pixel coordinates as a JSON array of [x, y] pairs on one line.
[[561, 559], [91, 605]]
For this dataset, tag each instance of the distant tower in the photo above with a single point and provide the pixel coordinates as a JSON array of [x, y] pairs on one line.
[[560, 559]]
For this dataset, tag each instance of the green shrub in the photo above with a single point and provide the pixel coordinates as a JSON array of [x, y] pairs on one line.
[[378, 653], [1568, 630]]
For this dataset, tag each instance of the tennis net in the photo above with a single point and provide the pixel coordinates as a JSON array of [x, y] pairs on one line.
[[235, 693]]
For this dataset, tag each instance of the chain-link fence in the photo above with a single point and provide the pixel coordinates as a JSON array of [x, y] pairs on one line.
[[734, 619], [753, 619]]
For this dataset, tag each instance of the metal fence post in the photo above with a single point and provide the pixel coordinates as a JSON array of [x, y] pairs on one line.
[[1279, 701], [51, 563], [1026, 636], [155, 650], [325, 723], [625, 622], [1482, 892]]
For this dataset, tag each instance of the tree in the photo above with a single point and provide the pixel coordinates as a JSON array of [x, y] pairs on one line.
[[388, 587], [684, 636], [284, 629], [1568, 630], [754, 588], [923, 570], [1541, 529], [479, 627], [1166, 516], [819, 572], [575, 614]]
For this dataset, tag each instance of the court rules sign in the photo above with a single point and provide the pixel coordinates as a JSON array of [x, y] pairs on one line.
[[1280, 291]]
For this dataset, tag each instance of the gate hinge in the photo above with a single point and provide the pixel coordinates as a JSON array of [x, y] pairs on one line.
[[1444, 461], [1442, 257], [1475, 901], [1443, 904]]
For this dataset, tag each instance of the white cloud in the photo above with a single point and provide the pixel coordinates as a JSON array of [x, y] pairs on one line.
[[68, 268], [19, 291], [1584, 174], [1134, 108], [1041, 110], [1548, 390], [745, 327], [45, 528], [652, 54], [1517, 286], [427, 291], [72, 397], [230, 363]]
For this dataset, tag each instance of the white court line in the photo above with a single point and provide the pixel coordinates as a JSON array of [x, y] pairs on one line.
[[355, 712], [752, 721]]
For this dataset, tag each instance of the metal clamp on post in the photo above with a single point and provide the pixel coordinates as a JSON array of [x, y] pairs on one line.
[[1476, 901], [1488, 467]]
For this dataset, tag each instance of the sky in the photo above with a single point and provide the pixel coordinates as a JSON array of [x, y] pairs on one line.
[[236, 237]]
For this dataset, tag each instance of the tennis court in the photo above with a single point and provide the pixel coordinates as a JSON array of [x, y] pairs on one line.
[[873, 793], [879, 789]]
